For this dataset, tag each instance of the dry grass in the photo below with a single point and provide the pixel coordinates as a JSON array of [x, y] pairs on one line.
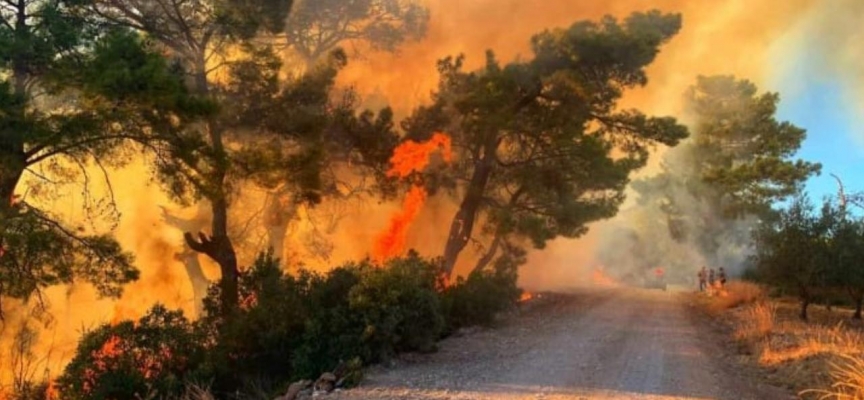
[[822, 358], [757, 322], [848, 376], [735, 294]]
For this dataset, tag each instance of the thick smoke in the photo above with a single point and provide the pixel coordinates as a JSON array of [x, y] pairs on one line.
[[750, 39]]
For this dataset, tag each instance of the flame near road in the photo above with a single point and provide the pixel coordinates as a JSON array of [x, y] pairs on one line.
[[408, 158]]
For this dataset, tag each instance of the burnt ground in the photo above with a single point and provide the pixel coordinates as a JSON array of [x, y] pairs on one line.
[[609, 344]]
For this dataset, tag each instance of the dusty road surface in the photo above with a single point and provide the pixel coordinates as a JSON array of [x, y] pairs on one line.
[[612, 344]]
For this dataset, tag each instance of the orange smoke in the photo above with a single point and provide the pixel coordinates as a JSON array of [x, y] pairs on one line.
[[408, 157], [122, 313]]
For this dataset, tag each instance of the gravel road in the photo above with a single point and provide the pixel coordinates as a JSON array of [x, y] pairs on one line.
[[612, 344]]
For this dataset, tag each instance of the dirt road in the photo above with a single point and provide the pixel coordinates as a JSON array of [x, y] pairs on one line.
[[615, 344]]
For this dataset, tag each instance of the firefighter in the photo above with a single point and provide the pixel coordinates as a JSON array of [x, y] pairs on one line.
[[722, 277], [711, 278], [701, 274]]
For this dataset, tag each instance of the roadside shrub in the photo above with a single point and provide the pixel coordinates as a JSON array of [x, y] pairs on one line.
[[257, 344], [477, 299], [153, 356], [399, 306], [333, 332], [736, 294]]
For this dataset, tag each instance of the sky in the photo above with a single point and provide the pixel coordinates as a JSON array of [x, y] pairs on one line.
[[816, 74]]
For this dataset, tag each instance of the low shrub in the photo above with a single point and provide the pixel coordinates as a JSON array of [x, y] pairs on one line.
[[256, 346], [477, 299], [399, 306], [153, 356], [333, 332], [287, 328]]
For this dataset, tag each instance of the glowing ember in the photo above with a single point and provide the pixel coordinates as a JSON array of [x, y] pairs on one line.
[[599, 278], [51, 392], [526, 295], [102, 361], [407, 158]]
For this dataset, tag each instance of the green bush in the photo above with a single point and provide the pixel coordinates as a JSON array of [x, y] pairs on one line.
[[399, 306], [256, 346], [153, 356], [287, 328], [477, 299], [333, 332]]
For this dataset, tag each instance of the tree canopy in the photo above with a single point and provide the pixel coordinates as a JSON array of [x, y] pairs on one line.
[[71, 94], [737, 163], [317, 27], [543, 149]]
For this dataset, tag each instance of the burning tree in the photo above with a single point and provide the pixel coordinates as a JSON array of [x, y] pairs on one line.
[[541, 148], [272, 129]]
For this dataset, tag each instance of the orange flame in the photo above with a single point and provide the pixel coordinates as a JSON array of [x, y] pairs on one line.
[[392, 241], [411, 156], [408, 157], [526, 295], [102, 358]]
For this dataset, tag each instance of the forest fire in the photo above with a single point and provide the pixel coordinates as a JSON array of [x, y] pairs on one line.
[[409, 157], [526, 296]]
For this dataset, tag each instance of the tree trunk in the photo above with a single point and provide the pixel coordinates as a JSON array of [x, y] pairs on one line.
[[277, 221], [12, 166], [489, 256], [199, 282], [805, 302], [858, 298], [463, 222], [218, 246]]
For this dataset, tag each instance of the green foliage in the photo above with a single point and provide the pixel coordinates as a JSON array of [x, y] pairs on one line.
[[399, 306], [39, 253], [794, 251], [716, 185], [744, 151], [154, 355], [333, 331], [71, 96], [315, 28], [477, 299], [289, 328], [536, 138], [257, 343]]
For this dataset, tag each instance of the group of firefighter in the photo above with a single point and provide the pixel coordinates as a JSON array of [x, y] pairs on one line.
[[708, 280]]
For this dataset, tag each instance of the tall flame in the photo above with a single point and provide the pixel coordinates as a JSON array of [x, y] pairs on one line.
[[408, 157]]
